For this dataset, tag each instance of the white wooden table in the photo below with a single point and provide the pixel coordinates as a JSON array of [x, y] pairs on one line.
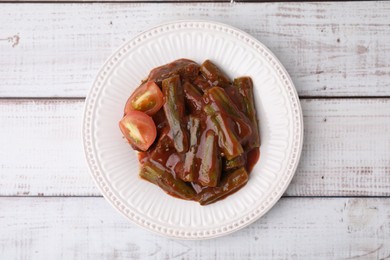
[[338, 204]]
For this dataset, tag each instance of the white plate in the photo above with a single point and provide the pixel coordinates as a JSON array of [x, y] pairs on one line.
[[114, 164]]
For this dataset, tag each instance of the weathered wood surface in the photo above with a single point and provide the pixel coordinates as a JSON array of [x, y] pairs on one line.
[[330, 48], [345, 152], [41, 149], [110, 1], [296, 228]]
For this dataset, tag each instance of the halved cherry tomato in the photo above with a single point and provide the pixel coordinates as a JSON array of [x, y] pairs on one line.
[[147, 98], [139, 129]]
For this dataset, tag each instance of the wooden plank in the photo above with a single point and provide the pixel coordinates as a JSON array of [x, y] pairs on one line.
[[296, 228], [345, 151], [41, 149], [330, 49]]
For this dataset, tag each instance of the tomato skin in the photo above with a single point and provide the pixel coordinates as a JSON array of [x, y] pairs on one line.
[[139, 129], [147, 98]]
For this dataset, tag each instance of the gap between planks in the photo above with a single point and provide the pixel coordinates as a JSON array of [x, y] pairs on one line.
[[125, 1], [164, 2]]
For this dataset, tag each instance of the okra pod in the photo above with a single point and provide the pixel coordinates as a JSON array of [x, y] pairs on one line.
[[174, 109], [245, 88], [227, 141], [159, 175], [183, 67], [234, 96], [188, 168], [216, 76], [202, 83], [210, 167], [194, 127], [221, 102], [229, 184], [234, 163], [193, 97], [163, 148]]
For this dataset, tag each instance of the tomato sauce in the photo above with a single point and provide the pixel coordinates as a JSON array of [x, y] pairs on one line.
[[207, 132]]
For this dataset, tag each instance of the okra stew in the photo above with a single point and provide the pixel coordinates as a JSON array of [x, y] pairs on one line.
[[195, 130]]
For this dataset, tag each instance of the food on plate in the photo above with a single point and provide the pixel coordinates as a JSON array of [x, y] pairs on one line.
[[195, 130], [147, 98], [139, 129]]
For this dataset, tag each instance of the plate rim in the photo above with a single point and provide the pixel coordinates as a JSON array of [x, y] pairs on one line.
[[96, 86]]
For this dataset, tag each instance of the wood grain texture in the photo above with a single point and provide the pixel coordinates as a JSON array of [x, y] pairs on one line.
[[346, 148], [41, 149], [345, 151], [296, 228], [330, 49]]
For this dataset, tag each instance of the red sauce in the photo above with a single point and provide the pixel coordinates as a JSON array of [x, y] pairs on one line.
[[226, 150], [251, 159]]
